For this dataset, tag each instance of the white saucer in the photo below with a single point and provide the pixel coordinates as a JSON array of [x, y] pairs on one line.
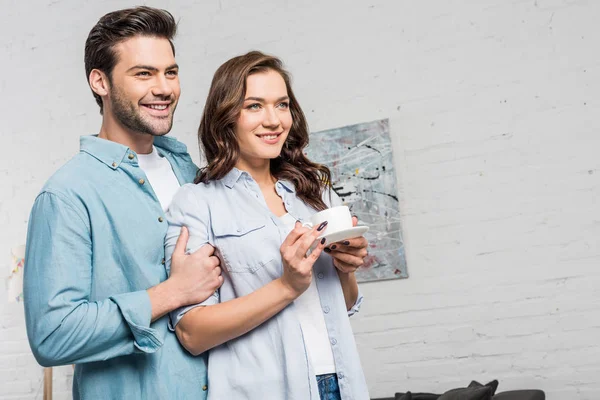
[[345, 234]]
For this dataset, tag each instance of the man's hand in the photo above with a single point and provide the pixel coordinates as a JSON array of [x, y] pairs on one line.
[[350, 254], [193, 278], [196, 276]]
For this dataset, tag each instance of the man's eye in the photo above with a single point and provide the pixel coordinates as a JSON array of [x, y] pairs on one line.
[[172, 73], [143, 73]]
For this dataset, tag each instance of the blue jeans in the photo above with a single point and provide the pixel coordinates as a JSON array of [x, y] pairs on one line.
[[328, 387]]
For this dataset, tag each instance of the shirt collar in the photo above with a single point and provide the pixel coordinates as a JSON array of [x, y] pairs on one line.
[[287, 185], [112, 153], [235, 175]]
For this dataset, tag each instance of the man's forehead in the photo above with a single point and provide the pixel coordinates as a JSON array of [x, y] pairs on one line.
[[144, 50]]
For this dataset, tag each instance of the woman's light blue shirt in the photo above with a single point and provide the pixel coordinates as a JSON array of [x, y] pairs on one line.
[[270, 362]]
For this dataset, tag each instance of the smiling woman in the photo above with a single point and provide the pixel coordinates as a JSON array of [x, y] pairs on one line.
[[274, 329]]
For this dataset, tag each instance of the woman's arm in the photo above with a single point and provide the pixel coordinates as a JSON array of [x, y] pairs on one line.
[[203, 328]]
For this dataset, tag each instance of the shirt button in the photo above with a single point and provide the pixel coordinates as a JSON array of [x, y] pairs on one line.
[[326, 309], [320, 275], [160, 219], [205, 388], [333, 341], [130, 156], [162, 261], [142, 181], [340, 375], [114, 164]]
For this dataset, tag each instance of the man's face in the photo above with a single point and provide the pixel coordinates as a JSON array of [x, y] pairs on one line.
[[144, 85]]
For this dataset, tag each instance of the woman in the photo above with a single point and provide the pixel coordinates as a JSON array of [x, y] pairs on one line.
[[275, 329]]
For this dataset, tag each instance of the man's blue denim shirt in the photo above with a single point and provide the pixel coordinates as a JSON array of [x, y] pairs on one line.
[[94, 245]]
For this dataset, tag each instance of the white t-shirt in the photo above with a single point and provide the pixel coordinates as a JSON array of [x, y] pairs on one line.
[[312, 322], [160, 175]]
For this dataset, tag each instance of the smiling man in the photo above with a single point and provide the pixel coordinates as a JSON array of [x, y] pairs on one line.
[[96, 289]]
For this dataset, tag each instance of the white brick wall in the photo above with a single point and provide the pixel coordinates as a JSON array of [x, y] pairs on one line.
[[493, 109]]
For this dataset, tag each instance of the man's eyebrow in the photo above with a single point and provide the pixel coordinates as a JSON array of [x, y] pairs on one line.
[[151, 68], [263, 100]]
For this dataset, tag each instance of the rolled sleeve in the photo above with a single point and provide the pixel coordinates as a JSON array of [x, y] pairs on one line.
[[357, 304], [137, 312], [176, 315]]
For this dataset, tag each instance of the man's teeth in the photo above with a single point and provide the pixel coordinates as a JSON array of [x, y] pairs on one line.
[[158, 106]]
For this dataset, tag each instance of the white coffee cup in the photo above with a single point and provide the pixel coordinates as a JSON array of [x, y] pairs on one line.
[[338, 219]]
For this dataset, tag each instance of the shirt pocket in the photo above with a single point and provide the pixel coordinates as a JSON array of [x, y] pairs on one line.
[[241, 244]]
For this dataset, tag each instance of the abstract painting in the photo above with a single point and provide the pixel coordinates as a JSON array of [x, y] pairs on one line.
[[362, 168]]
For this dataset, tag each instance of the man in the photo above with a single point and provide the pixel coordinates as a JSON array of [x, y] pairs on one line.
[[96, 290]]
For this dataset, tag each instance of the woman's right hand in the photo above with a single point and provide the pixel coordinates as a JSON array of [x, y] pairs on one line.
[[297, 265]]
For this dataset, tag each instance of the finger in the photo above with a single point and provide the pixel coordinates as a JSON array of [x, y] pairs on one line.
[[205, 251], [215, 261], [181, 241], [347, 258], [293, 236], [306, 241], [314, 255], [356, 243], [217, 271], [345, 267], [354, 220]]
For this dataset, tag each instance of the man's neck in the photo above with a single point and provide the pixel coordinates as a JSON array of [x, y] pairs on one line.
[[111, 130]]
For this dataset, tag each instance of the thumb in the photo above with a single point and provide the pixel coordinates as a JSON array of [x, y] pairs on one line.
[[181, 241], [354, 220]]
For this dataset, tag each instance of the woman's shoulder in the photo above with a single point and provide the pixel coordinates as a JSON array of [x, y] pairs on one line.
[[197, 193]]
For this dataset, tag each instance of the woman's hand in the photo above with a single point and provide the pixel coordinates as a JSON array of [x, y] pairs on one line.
[[297, 265], [350, 254]]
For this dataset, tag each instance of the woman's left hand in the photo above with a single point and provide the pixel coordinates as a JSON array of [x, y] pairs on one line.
[[350, 254]]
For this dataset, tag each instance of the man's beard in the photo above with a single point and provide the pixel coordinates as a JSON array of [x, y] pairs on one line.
[[126, 113]]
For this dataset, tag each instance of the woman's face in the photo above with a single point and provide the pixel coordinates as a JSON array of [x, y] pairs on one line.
[[265, 119]]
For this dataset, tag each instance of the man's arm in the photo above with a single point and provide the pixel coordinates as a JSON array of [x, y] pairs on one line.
[[63, 325]]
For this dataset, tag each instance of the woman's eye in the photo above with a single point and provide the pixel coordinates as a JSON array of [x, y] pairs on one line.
[[254, 106], [284, 104]]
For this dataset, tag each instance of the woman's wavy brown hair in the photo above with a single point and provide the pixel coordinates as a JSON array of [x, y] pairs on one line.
[[217, 130]]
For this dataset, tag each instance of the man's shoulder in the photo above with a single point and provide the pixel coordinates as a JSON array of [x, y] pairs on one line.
[[74, 175]]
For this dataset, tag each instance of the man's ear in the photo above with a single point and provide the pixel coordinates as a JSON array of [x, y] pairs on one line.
[[99, 82]]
